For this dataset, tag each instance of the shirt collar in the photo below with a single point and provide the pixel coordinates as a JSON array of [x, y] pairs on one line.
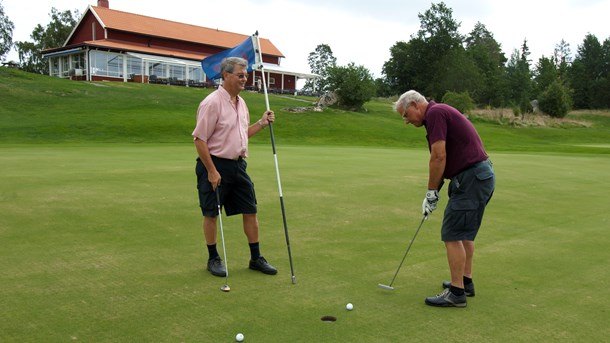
[[430, 104], [226, 95]]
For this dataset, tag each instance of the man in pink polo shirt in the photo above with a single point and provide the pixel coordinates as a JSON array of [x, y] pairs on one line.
[[221, 139]]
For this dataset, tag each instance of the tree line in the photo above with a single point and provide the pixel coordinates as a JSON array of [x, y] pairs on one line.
[[437, 60], [53, 35]]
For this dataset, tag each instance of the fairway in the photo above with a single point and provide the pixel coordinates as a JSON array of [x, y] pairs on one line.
[[103, 243]]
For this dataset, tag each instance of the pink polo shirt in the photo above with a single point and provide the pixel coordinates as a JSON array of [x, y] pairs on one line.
[[221, 126]]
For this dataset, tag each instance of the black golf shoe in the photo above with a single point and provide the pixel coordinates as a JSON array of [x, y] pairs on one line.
[[263, 266], [216, 268], [447, 299], [468, 289]]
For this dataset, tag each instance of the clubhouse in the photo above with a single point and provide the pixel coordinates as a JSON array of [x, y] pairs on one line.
[[110, 45]]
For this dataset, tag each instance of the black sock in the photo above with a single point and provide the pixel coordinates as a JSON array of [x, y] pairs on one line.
[[467, 280], [212, 251], [255, 252], [456, 290]]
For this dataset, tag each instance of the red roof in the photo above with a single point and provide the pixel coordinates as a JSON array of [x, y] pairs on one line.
[[140, 24]]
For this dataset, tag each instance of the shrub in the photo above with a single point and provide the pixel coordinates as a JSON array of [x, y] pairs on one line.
[[555, 100], [353, 85], [516, 109], [461, 101]]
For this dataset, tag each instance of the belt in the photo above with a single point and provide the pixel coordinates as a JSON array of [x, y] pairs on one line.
[[239, 158], [470, 167]]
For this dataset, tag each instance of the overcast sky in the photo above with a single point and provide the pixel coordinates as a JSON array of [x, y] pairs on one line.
[[357, 31]]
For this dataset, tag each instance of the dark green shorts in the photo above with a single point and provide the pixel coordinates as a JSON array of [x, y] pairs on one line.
[[236, 188], [469, 192]]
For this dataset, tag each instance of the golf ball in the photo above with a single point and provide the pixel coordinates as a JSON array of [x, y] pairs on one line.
[[239, 337], [349, 306]]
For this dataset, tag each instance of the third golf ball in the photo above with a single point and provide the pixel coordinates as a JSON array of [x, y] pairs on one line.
[[349, 306], [239, 337]]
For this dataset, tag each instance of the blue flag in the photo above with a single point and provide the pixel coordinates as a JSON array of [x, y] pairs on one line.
[[245, 50]]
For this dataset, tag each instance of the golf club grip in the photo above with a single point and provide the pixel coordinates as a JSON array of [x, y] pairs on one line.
[[272, 137]]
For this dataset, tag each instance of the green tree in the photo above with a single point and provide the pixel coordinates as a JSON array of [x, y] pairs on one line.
[[384, 89], [460, 74], [438, 28], [602, 91], [545, 74], [520, 79], [439, 33], [404, 70], [562, 56], [353, 85], [555, 100], [52, 36], [424, 62], [589, 73], [486, 53], [319, 61], [6, 33]]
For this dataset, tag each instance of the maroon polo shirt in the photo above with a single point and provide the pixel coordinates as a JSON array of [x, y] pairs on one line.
[[463, 145]]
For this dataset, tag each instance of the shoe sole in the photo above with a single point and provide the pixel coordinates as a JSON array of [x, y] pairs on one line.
[[217, 274], [263, 271], [447, 305]]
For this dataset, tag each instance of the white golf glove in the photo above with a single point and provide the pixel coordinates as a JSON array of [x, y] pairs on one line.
[[430, 202]]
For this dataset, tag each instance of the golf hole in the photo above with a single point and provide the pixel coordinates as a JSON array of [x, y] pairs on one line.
[[328, 319]]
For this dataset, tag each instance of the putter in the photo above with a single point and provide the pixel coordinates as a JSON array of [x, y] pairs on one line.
[[226, 287], [389, 287]]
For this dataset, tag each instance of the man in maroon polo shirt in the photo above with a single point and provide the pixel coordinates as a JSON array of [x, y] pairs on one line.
[[457, 154], [221, 139]]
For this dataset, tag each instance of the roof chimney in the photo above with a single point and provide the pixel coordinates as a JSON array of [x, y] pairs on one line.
[[103, 3]]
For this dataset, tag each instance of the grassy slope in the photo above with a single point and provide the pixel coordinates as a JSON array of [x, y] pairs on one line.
[[40, 109]]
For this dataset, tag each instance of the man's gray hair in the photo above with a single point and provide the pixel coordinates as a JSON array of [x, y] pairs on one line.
[[408, 97], [229, 63]]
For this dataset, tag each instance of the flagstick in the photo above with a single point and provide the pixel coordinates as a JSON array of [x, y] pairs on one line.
[[277, 170]]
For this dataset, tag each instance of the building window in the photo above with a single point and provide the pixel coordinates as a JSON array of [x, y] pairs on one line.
[[65, 65], [106, 64], [134, 65], [78, 61], [177, 72], [196, 74], [55, 66], [158, 69]]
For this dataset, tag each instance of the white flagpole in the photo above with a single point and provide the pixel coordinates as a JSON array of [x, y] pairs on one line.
[[258, 52], [259, 60]]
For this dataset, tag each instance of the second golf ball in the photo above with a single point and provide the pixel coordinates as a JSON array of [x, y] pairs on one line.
[[349, 306], [239, 337]]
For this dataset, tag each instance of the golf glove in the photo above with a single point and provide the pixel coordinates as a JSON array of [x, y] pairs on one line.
[[430, 202]]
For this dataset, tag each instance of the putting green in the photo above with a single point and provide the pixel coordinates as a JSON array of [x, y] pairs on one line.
[[103, 243]]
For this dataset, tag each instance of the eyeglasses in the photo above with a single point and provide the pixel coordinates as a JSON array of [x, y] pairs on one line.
[[241, 76], [406, 109]]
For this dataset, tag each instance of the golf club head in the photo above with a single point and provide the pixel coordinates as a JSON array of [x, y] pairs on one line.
[[389, 288], [225, 288]]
